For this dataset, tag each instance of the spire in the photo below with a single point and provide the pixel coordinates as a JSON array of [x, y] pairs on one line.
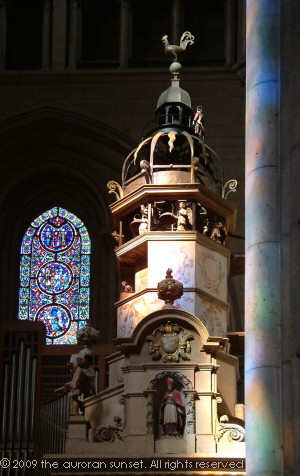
[[175, 95]]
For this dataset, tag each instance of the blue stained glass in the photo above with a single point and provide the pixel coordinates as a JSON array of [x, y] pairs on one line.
[[45, 216], [54, 275], [24, 293], [84, 314], [85, 259], [84, 281], [23, 312]]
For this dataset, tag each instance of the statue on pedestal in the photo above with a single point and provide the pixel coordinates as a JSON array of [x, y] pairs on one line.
[[82, 382], [172, 411]]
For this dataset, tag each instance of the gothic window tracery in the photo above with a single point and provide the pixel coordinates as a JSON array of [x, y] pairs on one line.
[[54, 275]]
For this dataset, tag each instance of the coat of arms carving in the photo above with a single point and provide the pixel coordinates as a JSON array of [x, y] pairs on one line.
[[171, 342]]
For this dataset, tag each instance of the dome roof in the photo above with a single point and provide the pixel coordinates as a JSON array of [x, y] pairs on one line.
[[174, 94]]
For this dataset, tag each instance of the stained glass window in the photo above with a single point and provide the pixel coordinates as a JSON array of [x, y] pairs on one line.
[[54, 275]]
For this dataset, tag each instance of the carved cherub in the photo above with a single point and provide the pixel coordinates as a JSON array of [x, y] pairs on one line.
[[126, 288], [144, 223], [82, 382], [184, 217]]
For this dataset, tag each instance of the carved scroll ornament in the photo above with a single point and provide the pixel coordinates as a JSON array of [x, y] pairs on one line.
[[230, 431], [108, 433], [116, 189]]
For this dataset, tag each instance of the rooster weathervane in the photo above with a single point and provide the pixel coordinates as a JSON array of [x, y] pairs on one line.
[[186, 39]]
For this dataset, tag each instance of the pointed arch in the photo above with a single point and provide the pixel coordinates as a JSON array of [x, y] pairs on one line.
[[55, 275]]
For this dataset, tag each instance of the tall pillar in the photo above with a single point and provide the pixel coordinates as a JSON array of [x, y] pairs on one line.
[[2, 34], [72, 40], [124, 38], [59, 34], [230, 32], [46, 42], [262, 297]]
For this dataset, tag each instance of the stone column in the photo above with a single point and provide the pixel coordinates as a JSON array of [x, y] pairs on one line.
[[230, 31], [72, 39], [241, 34], [2, 34], [262, 274], [46, 41], [124, 37], [59, 34]]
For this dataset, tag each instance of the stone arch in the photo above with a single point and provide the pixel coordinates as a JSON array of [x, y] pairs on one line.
[[171, 373], [58, 158]]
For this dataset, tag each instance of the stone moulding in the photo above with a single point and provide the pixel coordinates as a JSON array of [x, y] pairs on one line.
[[187, 384], [153, 320], [196, 192]]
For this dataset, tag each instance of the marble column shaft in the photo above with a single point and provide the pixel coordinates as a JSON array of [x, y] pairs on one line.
[[2, 34], [59, 34], [72, 40], [262, 274], [230, 31], [46, 41], [124, 39]]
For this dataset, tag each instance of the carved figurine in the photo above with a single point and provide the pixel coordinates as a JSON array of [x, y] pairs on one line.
[[184, 217], [198, 122], [82, 382], [144, 223], [139, 223], [172, 411], [117, 237], [126, 288], [216, 230], [87, 336]]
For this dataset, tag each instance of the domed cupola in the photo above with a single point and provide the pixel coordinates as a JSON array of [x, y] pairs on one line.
[[174, 105], [174, 150], [172, 173]]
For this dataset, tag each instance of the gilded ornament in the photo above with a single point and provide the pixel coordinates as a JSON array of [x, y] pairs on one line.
[[229, 187], [116, 189]]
